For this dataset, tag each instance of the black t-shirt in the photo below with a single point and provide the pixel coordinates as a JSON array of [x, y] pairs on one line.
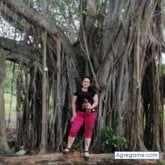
[[81, 95]]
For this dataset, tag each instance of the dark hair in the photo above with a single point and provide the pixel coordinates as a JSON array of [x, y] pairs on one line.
[[91, 88], [86, 77]]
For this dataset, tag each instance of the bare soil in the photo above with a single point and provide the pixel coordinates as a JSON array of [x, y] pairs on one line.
[[75, 158]]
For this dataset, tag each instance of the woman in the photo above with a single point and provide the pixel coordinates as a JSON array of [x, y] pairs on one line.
[[84, 103]]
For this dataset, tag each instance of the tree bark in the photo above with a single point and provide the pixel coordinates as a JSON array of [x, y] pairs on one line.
[[44, 96], [17, 51], [59, 97], [4, 148], [21, 9]]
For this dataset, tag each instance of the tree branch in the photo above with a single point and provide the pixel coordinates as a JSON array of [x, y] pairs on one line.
[[17, 51], [31, 16]]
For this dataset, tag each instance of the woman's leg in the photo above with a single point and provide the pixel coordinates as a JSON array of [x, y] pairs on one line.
[[89, 124], [77, 123], [70, 143]]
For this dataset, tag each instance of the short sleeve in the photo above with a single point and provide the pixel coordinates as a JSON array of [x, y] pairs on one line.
[[75, 93], [93, 93]]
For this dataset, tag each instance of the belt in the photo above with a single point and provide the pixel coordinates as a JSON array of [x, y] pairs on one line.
[[88, 110]]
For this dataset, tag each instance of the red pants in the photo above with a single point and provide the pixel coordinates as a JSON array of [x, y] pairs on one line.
[[81, 117]]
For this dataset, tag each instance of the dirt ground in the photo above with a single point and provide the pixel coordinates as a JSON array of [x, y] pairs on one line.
[[75, 158]]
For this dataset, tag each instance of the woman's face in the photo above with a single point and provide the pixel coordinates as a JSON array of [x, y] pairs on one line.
[[85, 83]]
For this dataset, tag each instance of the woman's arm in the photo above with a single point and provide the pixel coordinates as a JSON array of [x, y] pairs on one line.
[[95, 101], [74, 99]]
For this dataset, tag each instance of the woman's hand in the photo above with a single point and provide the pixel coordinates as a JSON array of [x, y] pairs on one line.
[[73, 116], [87, 106]]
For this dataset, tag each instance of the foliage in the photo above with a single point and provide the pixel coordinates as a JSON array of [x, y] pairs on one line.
[[10, 82], [10, 89], [111, 141], [65, 13], [163, 68], [10, 105]]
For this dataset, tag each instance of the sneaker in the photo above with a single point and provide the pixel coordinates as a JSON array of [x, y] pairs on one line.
[[66, 150], [86, 155]]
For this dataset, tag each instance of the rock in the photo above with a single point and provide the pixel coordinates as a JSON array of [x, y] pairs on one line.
[[21, 152]]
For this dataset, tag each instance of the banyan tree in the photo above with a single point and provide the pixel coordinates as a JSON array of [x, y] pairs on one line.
[[118, 43]]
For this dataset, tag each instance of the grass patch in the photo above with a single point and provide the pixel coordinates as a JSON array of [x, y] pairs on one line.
[[10, 103]]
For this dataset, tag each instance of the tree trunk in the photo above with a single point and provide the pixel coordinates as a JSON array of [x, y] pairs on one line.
[[137, 120], [44, 95], [4, 148], [59, 97]]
